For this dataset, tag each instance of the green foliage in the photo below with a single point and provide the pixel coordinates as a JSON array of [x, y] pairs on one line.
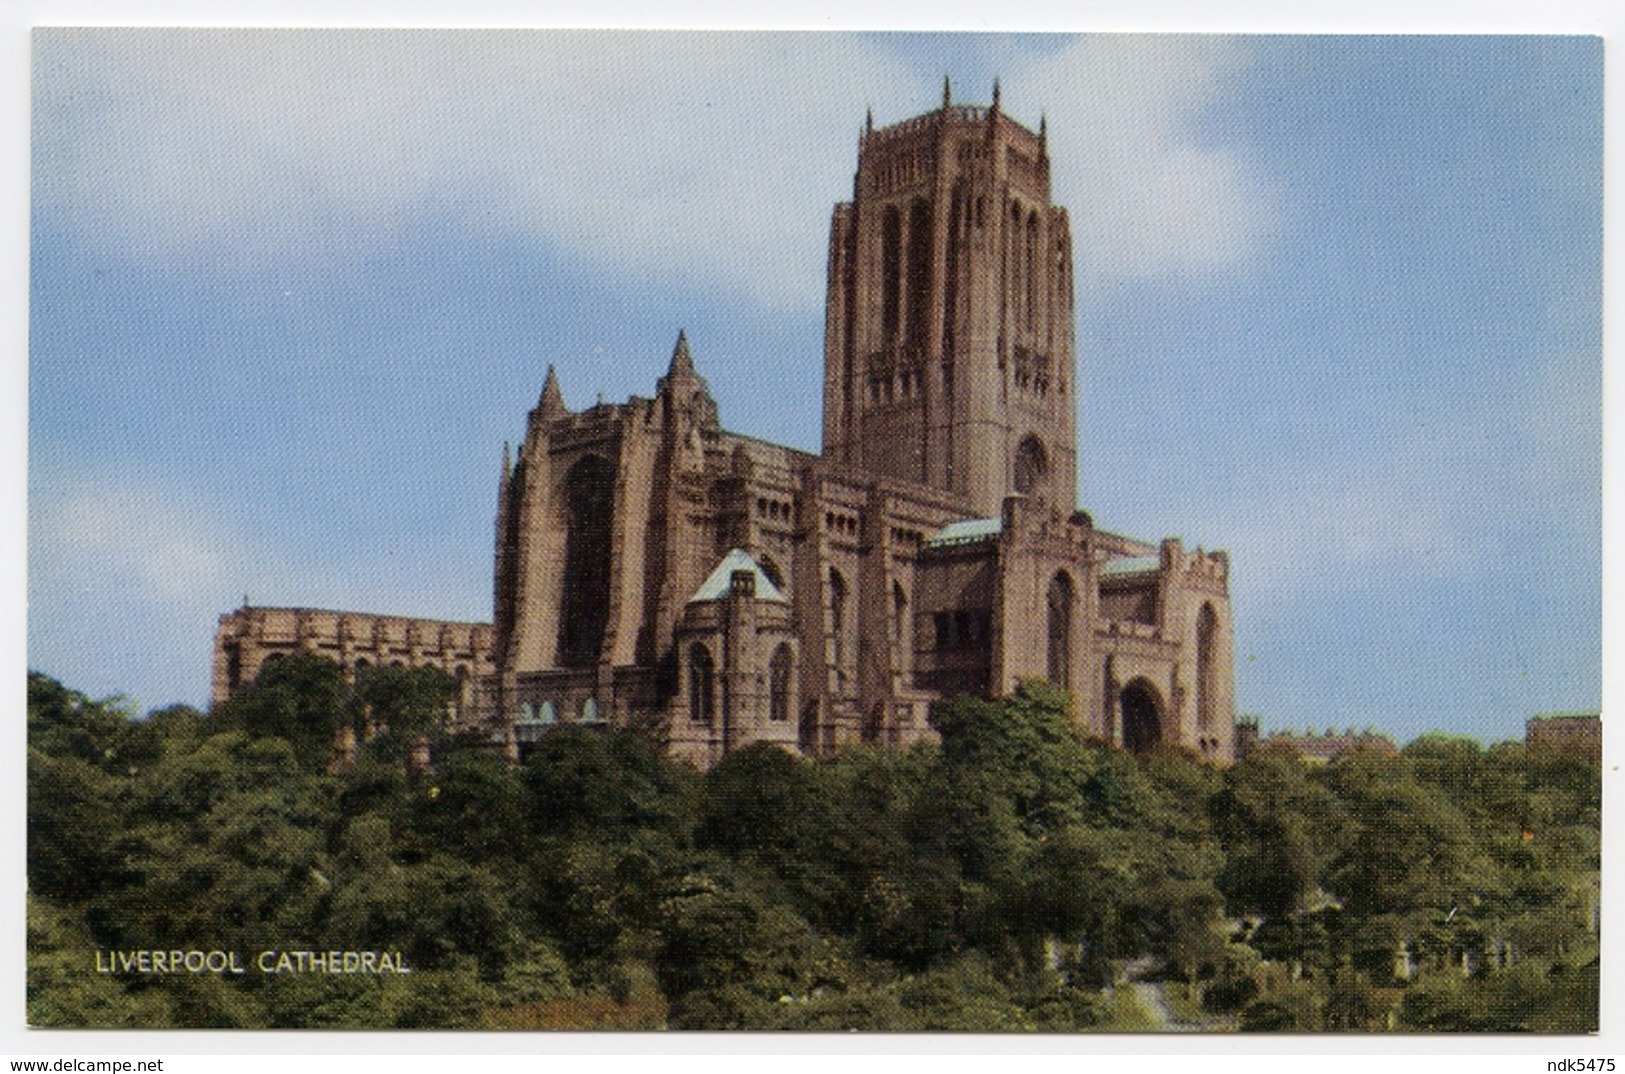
[[1277, 829], [65, 724], [392, 709], [471, 805], [61, 994], [74, 834], [1407, 846], [726, 953], [1004, 880], [584, 782], [301, 698]]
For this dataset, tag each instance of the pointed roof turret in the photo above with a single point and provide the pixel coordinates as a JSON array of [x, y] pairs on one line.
[[947, 94], [681, 361], [869, 120], [995, 96], [552, 398]]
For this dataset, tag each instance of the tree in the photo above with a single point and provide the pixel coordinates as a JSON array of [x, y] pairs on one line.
[[301, 698], [583, 781], [1407, 848], [65, 723], [761, 800], [392, 709], [727, 956], [1276, 828], [471, 805]]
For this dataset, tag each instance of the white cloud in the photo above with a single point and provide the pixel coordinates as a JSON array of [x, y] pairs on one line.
[[1145, 195], [128, 574], [672, 154], [700, 157], [142, 545], [1332, 533]]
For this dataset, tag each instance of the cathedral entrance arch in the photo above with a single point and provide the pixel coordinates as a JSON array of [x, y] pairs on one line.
[[1142, 716]]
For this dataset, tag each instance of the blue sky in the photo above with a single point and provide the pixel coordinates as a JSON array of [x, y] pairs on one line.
[[1339, 312]]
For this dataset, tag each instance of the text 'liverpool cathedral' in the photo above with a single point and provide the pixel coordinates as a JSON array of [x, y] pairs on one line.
[[654, 570]]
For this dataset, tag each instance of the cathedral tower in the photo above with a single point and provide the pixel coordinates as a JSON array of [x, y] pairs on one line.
[[948, 330]]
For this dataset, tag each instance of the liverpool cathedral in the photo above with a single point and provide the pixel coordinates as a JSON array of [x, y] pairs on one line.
[[655, 571]]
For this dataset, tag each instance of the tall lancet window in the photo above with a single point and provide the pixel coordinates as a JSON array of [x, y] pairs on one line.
[[589, 491], [891, 273], [1030, 274], [778, 679], [837, 616], [1060, 631], [1207, 626], [919, 274], [702, 685]]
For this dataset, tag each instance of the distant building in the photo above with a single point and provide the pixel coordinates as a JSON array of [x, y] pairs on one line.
[[250, 638], [1318, 748], [654, 570], [1577, 732]]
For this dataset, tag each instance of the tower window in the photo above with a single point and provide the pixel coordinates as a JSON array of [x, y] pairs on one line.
[[891, 271], [1030, 274], [919, 272], [1031, 464], [837, 615]]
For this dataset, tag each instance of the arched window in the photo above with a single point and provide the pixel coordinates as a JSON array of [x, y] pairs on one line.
[[460, 702], [1030, 273], [1207, 626], [837, 615], [1015, 288], [1031, 464], [589, 710], [234, 665], [959, 214], [547, 713], [702, 685], [919, 272], [1142, 716], [589, 491], [905, 633], [1060, 630], [778, 678], [891, 271]]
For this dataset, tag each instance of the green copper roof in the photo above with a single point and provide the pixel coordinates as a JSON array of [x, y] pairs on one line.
[[1131, 565], [717, 585], [970, 531]]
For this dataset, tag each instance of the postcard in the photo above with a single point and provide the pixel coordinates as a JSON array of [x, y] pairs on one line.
[[895, 532]]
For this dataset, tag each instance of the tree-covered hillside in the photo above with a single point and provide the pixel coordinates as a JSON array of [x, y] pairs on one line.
[[1015, 877]]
